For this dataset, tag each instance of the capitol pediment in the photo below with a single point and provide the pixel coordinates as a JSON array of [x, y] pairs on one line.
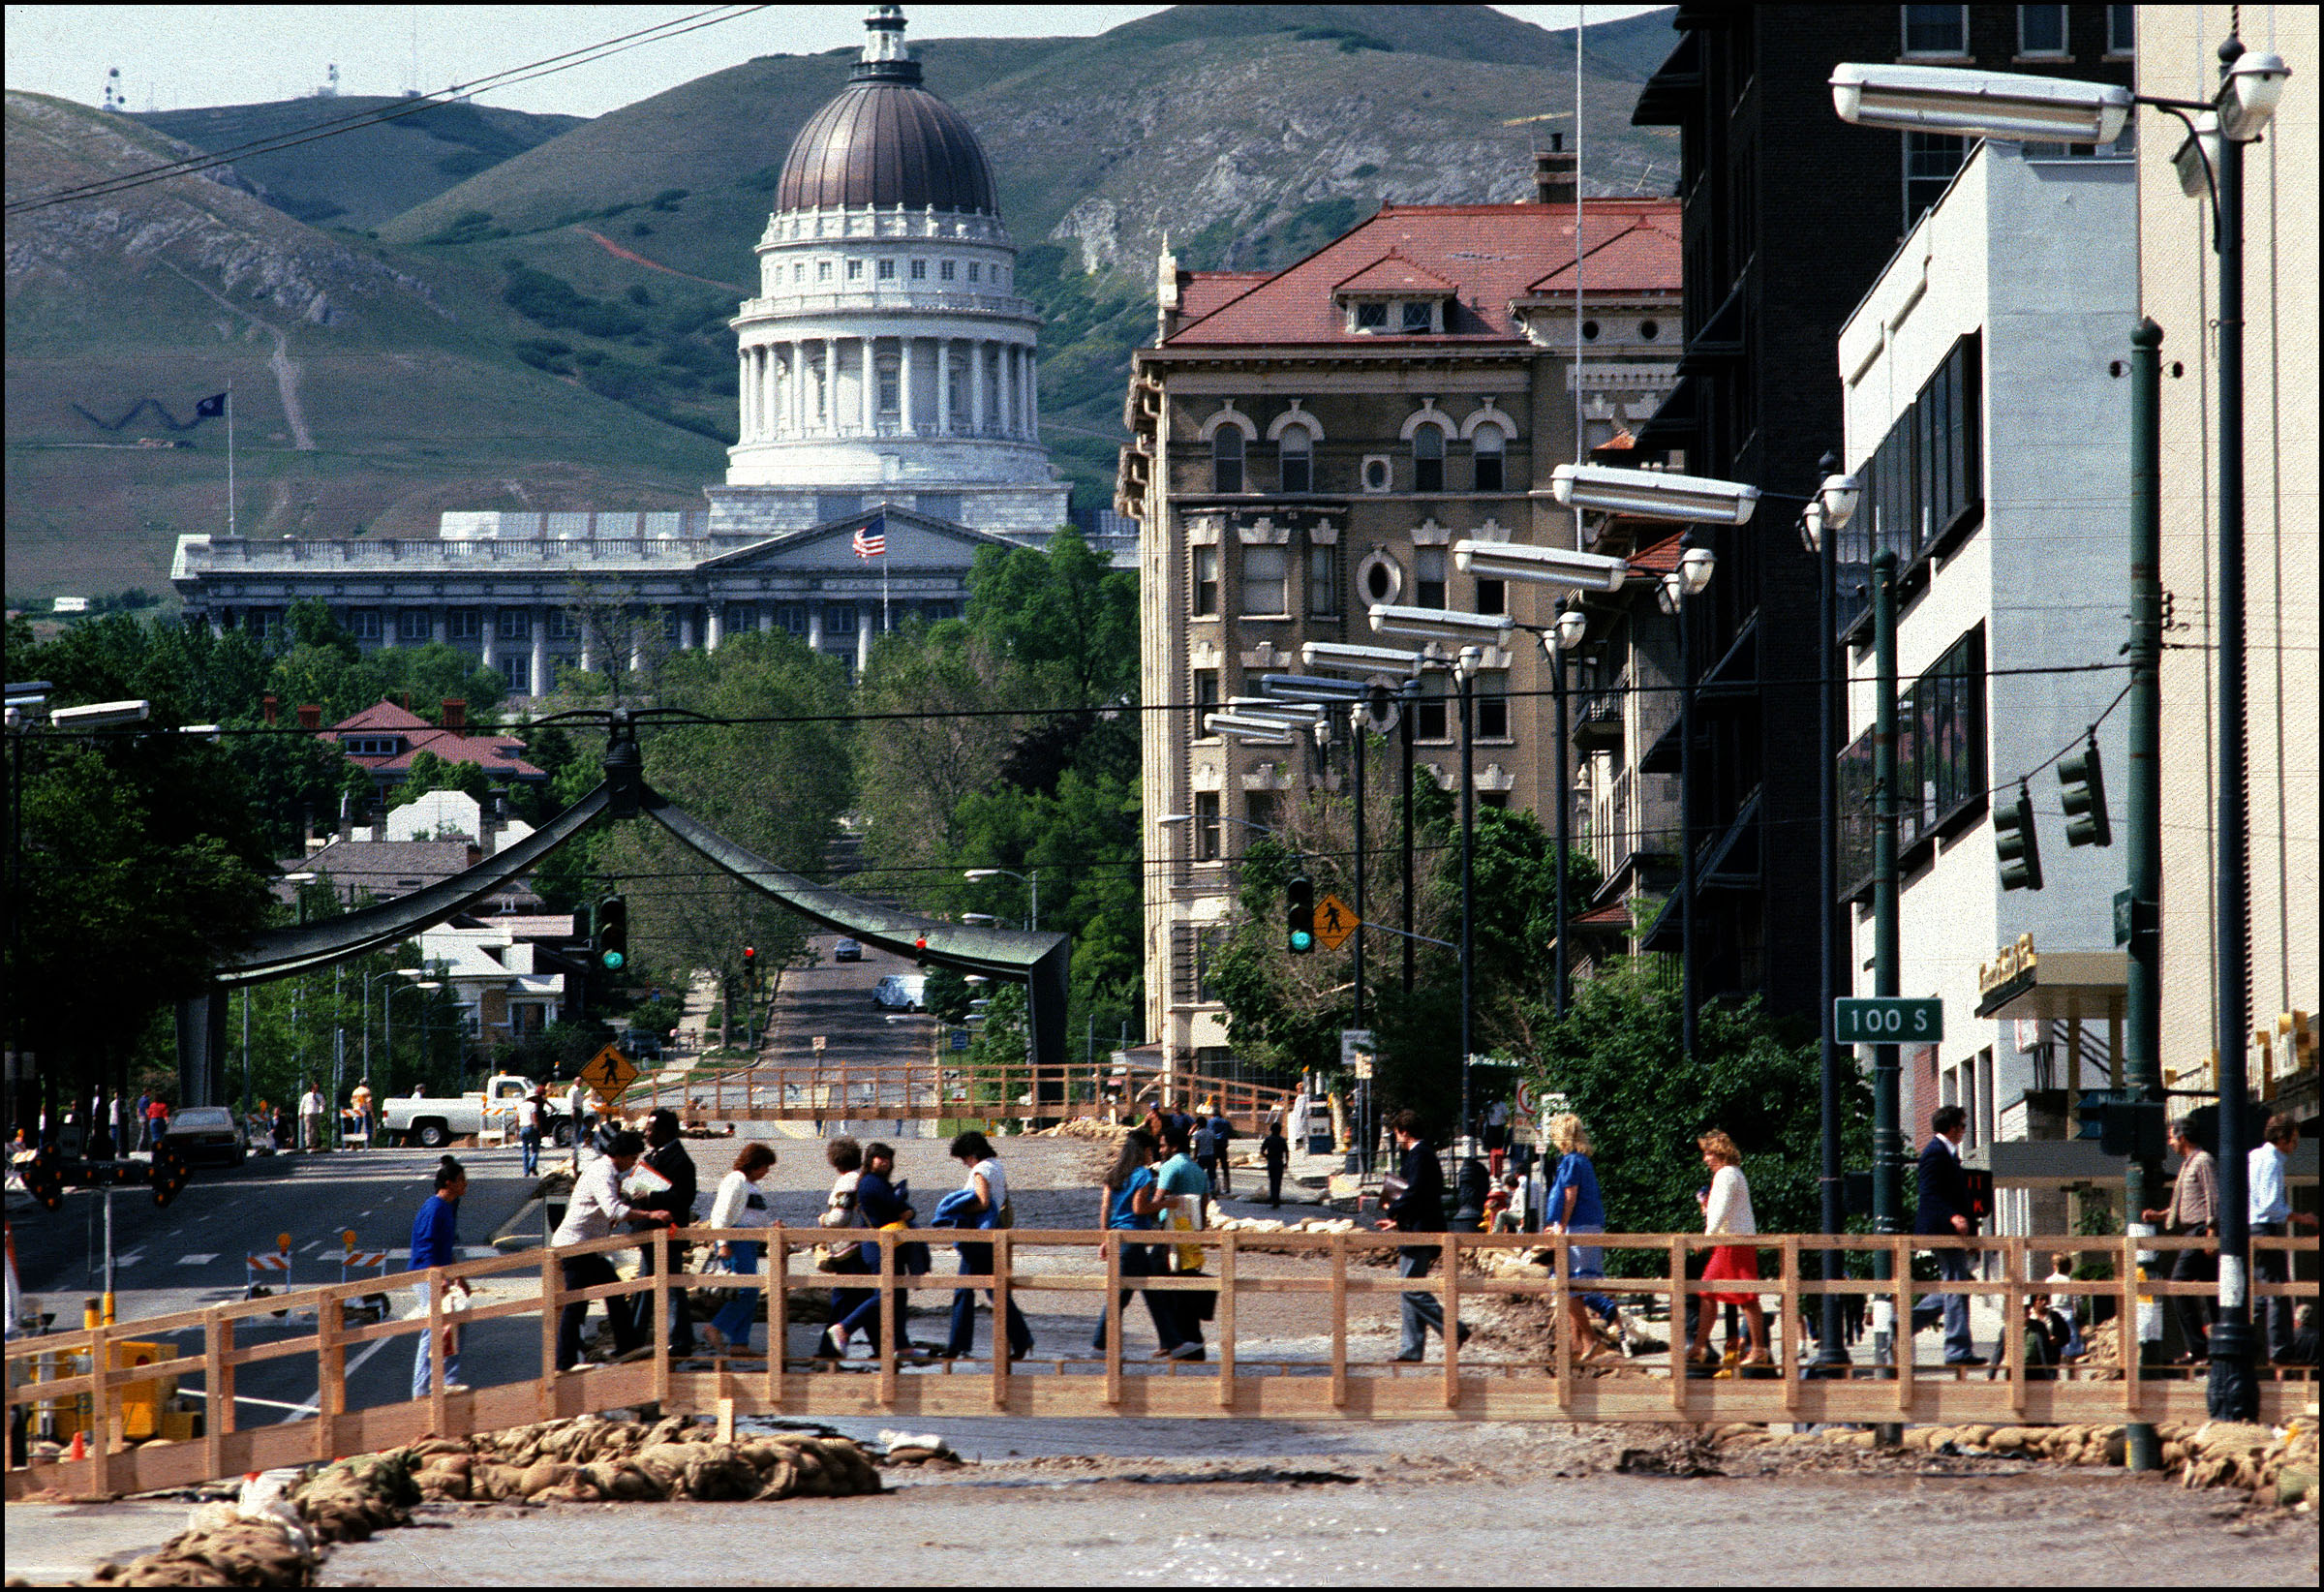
[[915, 541]]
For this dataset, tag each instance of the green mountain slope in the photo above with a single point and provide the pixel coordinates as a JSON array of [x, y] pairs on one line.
[[362, 178]]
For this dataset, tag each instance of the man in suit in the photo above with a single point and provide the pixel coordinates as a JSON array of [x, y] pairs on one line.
[[1942, 1210], [1419, 1206], [665, 1153]]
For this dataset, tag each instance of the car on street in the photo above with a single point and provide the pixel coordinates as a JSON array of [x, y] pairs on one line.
[[207, 1133], [846, 950], [903, 992]]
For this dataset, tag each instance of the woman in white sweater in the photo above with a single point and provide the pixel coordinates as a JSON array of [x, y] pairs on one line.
[[1727, 1209], [740, 1202]]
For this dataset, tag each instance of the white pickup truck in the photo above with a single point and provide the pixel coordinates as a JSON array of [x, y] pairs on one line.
[[434, 1121]]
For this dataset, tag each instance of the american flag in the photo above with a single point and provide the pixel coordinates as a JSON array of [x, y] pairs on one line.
[[872, 539]]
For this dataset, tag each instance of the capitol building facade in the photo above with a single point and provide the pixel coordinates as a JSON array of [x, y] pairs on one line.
[[888, 373]]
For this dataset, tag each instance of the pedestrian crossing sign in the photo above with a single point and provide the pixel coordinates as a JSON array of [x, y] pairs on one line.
[[1334, 922], [609, 1072]]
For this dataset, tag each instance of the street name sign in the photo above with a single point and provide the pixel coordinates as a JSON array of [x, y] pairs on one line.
[[609, 1072], [1887, 1020], [1334, 922], [1356, 1049]]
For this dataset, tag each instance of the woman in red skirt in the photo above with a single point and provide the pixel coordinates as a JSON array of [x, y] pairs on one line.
[[1727, 1209]]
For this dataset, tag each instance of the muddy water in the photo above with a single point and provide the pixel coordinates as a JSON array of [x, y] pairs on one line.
[[1242, 1503]]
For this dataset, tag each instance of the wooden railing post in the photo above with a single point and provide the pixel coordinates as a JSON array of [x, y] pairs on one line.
[[218, 1381], [1111, 1241], [1004, 1261], [778, 1312], [439, 1422], [1226, 1320], [1787, 1367], [1339, 1321], [1451, 1287], [552, 1277], [330, 1371], [657, 1298], [1900, 1272], [1678, 1322], [1561, 1319], [2014, 1256], [889, 1323], [103, 1418]]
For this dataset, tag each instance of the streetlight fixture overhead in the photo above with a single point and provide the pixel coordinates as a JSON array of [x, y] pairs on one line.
[[1259, 731], [2198, 156], [1296, 688], [1652, 494], [1276, 707], [1837, 498], [1439, 623], [1673, 591], [1572, 626], [2254, 86], [1338, 654], [1694, 567], [1541, 565], [1982, 104], [100, 715], [1812, 527]]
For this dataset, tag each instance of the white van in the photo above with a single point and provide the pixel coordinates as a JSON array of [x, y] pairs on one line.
[[903, 992]]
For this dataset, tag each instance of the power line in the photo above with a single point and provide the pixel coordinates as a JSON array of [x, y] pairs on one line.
[[510, 77]]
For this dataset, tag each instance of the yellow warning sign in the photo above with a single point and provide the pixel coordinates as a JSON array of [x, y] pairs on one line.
[[1334, 922], [609, 1072]]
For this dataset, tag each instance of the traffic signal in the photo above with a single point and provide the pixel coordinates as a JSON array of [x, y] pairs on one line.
[[44, 1179], [1299, 914], [2015, 844], [2082, 782], [2121, 1123], [751, 963], [920, 948], [610, 951], [170, 1173]]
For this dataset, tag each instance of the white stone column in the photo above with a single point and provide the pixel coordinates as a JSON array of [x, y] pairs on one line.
[[218, 623], [863, 615], [442, 628], [637, 639], [814, 624], [1008, 389], [870, 389], [488, 636], [540, 652], [830, 416], [976, 388], [903, 387], [1032, 394], [685, 627], [746, 362], [943, 386]]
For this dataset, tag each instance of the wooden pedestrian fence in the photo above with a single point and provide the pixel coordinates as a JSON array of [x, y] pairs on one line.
[[1307, 1286], [840, 1090]]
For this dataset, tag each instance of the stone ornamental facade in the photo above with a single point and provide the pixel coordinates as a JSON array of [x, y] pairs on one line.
[[888, 373]]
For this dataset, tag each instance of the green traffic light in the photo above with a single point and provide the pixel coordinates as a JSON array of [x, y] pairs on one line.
[[614, 958], [1300, 939]]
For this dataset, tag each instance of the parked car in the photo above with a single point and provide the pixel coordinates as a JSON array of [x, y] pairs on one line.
[[207, 1133], [846, 950], [905, 992], [435, 1123]]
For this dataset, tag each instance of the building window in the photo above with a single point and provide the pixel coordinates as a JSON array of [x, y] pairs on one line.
[[2121, 30], [1206, 698], [1488, 448], [976, 270], [518, 668], [1205, 826], [1420, 317], [1935, 30], [887, 270], [822, 270], [1493, 596], [513, 625], [1428, 577], [1924, 478], [1375, 472], [945, 271], [669, 626], [1931, 159], [1491, 705], [1431, 710], [2041, 31], [411, 625], [465, 624], [1379, 578], [1205, 582], [564, 624], [1226, 459], [919, 270], [742, 618], [887, 389], [839, 619], [364, 623], [1322, 580], [792, 617], [798, 270], [1297, 454], [1263, 582], [855, 270], [1259, 809], [1372, 318], [932, 612], [1940, 758], [1428, 459]]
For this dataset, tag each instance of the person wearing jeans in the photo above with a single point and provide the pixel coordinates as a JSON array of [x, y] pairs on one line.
[[435, 1242], [987, 1208], [2272, 1217], [1417, 1207], [529, 1113], [740, 1202], [1940, 1209], [1132, 1199]]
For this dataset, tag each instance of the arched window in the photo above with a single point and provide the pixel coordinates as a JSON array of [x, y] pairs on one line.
[[1488, 444], [1428, 459], [1299, 460], [1226, 459]]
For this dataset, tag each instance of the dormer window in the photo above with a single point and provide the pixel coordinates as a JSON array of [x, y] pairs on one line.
[[1419, 316], [1371, 317]]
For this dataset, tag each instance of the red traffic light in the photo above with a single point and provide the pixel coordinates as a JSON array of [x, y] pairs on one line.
[[920, 944]]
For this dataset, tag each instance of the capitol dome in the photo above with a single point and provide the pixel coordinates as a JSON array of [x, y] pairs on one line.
[[886, 142]]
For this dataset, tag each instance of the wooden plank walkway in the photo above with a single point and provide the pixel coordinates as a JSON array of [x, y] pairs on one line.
[[1242, 1382]]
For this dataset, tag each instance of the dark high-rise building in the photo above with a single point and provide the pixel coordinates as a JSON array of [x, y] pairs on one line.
[[1790, 216]]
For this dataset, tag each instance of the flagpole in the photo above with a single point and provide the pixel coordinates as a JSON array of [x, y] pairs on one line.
[[229, 455]]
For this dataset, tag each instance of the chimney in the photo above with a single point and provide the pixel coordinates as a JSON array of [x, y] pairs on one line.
[[310, 715], [1554, 174], [272, 704], [476, 854], [455, 713]]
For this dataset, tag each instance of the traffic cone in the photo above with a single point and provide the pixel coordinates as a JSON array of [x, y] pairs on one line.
[[80, 1445]]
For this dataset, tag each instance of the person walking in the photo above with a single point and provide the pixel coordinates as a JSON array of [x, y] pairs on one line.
[[842, 1256], [576, 1100], [741, 1202], [1131, 1200], [1727, 1210], [1575, 1208], [986, 1209], [2273, 1217], [1186, 1195], [598, 1209], [1222, 1139], [880, 1202], [665, 1153], [1417, 1206], [1274, 1153], [2194, 1212], [1203, 1148], [529, 1113], [1942, 1210], [157, 1122], [359, 1098], [144, 1100], [435, 1242], [310, 1118]]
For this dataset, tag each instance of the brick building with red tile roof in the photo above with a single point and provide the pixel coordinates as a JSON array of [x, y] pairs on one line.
[[1310, 441], [384, 738]]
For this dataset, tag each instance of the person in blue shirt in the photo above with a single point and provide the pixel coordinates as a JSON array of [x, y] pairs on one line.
[[435, 1242], [1132, 1199], [1184, 1187], [1573, 1208]]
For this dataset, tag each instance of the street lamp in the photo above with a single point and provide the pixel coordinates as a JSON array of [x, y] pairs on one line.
[[1441, 623], [1652, 494], [1031, 881], [101, 715], [1337, 654], [2005, 105], [1541, 565], [1264, 732], [1560, 639]]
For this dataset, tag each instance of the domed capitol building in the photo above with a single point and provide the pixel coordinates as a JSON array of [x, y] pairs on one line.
[[888, 379]]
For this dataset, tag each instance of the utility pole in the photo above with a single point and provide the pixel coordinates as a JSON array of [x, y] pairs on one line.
[[2142, 825], [1465, 673], [1831, 1352], [1887, 1136]]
